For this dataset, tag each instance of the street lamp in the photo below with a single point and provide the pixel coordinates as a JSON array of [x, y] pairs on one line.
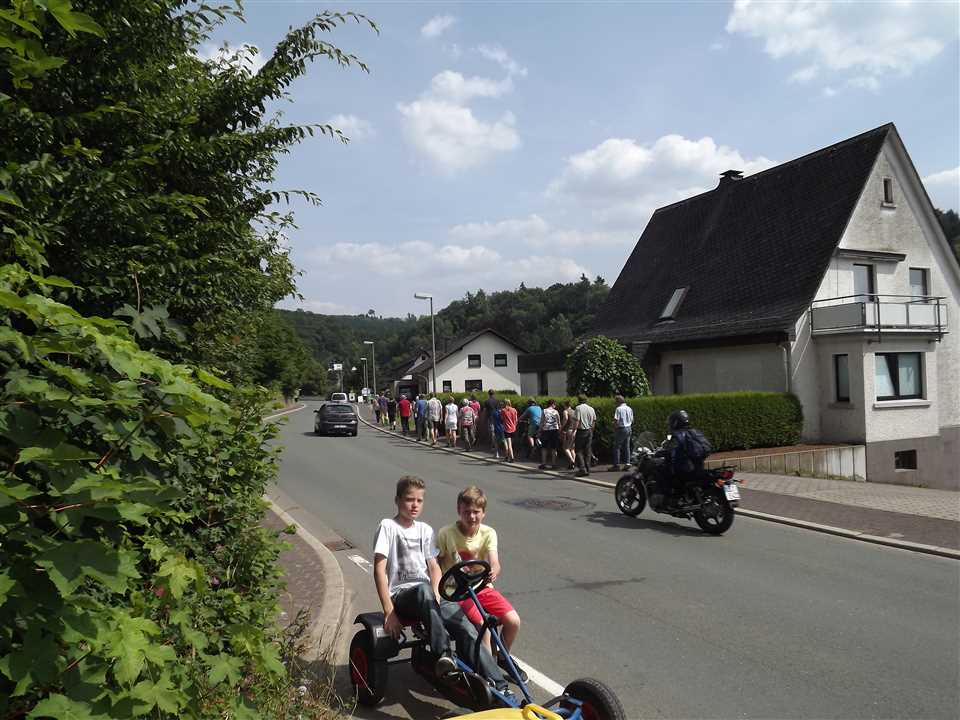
[[433, 338], [373, 351], [364, 361]]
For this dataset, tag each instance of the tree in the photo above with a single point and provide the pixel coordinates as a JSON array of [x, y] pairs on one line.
[[559, 333], [601, 367], [950, 222]]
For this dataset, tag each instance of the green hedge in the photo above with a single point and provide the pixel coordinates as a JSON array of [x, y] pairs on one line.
[[731, 421]]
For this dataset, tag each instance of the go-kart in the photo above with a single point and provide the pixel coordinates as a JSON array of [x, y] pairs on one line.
[[373, 651]]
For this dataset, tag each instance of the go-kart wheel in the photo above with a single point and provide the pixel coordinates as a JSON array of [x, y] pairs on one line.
[[367, 675], [597, 700], [456, 582], [630, 496]]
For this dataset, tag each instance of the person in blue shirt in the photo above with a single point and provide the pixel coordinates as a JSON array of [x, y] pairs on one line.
[[420, 417], [533, 416]]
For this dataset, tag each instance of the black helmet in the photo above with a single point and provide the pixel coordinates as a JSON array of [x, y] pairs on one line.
[[678, 420]]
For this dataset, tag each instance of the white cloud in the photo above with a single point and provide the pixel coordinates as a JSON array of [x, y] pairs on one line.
[[829, 92], [446, 264], [444, 130], [437, 25], [944, 188], [532, 230], [869, 39], [500, 56], [805, 74], [717, 46], [352, 126], [318, 306], [865, 82], [244, 55], [455, 87], [622, 181]]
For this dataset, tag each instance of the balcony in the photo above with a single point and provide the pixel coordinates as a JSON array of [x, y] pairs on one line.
[[877, 314]]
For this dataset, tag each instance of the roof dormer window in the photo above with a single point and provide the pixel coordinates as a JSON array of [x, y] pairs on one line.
[[670, 311]]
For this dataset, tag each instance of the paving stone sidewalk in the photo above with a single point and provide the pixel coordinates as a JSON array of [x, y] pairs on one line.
[[304, 573]]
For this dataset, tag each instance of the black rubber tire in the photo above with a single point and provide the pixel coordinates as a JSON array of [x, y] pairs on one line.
[[368, 676], [599, 702], [721, 523], [630, 497], [354, 433]]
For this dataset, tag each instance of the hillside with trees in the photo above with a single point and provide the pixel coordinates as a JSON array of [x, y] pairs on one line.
[[537, 319], [950, 222]]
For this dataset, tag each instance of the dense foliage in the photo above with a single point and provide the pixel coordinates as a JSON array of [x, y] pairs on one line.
[[138, 249], [537, 319], [731, 421], [950, 222], [601, 366]]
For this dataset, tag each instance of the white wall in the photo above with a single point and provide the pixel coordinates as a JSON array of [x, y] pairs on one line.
[[454, 368], [723, 369], [556, 383]]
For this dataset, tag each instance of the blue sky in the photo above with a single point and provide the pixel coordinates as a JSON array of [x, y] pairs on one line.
[[494, 143]]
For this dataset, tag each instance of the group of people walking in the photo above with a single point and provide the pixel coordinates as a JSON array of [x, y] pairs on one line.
[[554, 435]]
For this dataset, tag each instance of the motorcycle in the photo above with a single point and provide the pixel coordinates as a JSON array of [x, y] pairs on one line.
[[709, 497]]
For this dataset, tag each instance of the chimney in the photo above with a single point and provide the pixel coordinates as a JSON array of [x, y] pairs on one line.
[[729, 176]]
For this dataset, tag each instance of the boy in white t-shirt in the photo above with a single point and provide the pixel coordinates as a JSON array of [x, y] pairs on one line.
[[407, 577]]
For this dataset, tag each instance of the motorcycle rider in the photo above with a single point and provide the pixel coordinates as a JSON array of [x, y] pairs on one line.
[[684, 451]]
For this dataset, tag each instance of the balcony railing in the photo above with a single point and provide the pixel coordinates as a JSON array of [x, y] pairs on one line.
[[879, 313]]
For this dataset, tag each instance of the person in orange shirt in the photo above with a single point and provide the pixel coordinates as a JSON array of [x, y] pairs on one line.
[[508, 415]]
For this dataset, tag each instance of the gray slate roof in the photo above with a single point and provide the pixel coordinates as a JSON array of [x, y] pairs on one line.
[[752, 251]]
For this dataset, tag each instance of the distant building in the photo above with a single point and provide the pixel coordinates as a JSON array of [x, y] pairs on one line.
[[827, 276], [544, 373], [485, 360]]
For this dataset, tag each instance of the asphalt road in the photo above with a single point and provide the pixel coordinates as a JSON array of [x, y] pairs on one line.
[[767, 621]]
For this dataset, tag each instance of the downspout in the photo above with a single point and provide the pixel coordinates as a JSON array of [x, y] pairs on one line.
[[787, 364]]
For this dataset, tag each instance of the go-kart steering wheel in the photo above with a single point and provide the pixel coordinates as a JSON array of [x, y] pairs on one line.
[[457, 582]]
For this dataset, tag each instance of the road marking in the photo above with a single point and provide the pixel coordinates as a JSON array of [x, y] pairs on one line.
[[285, 412], [552, 687], [361, 562]]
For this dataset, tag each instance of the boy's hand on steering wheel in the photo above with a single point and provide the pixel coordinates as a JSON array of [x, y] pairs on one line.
[[392, 625]]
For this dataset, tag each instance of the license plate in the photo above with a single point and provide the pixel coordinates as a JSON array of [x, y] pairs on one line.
[[732, 491], [339, 427]]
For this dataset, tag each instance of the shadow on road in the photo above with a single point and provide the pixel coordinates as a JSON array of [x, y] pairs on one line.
[[408, 696], [619, 520]]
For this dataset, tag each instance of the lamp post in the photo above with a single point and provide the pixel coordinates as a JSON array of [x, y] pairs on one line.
[[373, 354], [364, 361], [433, 338]]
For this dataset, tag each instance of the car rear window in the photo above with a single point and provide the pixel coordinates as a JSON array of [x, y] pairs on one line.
[[339, 410]]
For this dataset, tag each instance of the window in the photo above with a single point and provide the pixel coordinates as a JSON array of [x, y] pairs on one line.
[[473, 361], [841, 373], [674, 303], [863, 286], [888, 191], [898, 376], [676, 375], [472, 385], [448, 386], [500, 360], [905, 460], [919, 286]]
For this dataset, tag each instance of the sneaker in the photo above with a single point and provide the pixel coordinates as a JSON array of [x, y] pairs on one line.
[[445, 666], [582, 473]]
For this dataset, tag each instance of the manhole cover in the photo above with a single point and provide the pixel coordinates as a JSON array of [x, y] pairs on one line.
[[554, 503], [340, 544]]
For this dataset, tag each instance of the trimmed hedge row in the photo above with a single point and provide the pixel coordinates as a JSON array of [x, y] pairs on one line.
[[731, 421]]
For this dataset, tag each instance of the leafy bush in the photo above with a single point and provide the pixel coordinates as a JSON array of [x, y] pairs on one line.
[[602, 366]]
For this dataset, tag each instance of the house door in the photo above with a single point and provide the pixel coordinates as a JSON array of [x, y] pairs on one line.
[[863, 282]]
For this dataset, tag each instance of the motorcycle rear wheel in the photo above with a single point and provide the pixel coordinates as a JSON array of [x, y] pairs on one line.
[[630, 496], [719, 516]]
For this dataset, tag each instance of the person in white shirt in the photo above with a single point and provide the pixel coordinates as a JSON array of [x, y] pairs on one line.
[[451, 420], [583, 442], [434, 411], [622, 429]]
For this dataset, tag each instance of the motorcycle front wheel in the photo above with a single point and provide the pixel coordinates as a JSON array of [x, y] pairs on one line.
[[630, 496], [715, 515]]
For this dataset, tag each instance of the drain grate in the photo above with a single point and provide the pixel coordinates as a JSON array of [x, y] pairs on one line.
[[553, 503], [339, 544]]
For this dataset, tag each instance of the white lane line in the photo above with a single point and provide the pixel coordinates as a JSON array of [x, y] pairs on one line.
[[285, 412], [551, 686], [361, 562]]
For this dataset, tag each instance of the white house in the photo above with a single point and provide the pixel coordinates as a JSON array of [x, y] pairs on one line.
[[485, 360], [827, 276]]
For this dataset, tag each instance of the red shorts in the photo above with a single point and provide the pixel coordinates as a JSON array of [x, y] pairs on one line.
[[490, 600]]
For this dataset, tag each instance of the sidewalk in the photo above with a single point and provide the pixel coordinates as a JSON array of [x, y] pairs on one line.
[[909, 517]]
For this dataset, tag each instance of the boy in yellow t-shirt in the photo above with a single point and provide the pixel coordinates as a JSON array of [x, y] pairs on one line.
[[470, 539]]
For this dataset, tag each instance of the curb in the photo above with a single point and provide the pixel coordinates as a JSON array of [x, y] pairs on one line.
[[816, 527], [324, 627]]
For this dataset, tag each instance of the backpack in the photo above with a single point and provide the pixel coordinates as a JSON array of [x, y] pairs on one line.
[[695, 448]]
